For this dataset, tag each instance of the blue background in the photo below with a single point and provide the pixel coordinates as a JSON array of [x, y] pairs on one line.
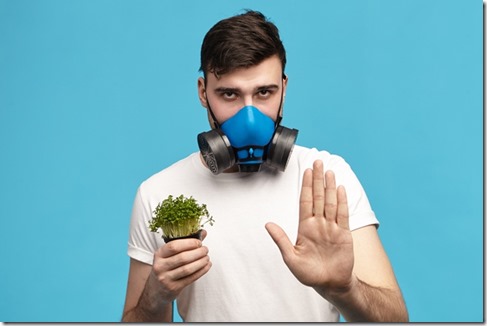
[[96, 96]]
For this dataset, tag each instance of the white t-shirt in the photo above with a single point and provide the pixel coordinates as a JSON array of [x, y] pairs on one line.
[[248, 280]]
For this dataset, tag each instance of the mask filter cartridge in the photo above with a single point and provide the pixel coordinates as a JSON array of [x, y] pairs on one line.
[[248, 139]]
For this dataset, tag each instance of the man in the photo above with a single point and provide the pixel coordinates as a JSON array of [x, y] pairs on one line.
[[249, 171]]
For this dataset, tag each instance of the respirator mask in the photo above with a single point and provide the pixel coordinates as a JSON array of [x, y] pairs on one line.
[[248, 139]]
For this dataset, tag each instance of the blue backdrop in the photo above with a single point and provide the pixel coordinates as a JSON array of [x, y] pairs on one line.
[[96, 96]]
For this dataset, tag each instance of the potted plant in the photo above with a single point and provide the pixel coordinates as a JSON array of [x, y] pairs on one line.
[[179, 218]]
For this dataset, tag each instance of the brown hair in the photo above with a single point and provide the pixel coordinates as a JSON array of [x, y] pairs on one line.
[[240, 41]]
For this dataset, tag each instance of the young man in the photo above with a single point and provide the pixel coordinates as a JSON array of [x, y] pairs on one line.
[[248, 172]]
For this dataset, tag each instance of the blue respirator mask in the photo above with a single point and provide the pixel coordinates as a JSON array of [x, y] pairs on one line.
[[248, 139]]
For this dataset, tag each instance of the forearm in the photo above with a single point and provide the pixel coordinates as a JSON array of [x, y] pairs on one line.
[[366, 303], [142, 314], [150, 307]]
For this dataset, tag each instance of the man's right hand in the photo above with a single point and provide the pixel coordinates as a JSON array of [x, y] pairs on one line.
[[178, 264], [152, 289]]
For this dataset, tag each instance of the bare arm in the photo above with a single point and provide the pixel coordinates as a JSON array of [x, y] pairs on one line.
[[138, 290], [349, 269], [152, 289], [374, 294]]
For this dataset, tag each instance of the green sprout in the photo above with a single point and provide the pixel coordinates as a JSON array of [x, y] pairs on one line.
[[179, 217]]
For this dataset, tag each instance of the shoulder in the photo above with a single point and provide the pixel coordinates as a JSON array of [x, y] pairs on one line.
[[306, 156], [173, 174]]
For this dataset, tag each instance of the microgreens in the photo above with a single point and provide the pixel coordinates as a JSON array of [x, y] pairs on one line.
[[179, 217]]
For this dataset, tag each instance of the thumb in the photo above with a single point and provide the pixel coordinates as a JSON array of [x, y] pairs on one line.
[[204, 233], [281, 239]]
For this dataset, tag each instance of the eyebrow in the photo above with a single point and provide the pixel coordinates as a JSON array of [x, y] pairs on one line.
[[238, 90]]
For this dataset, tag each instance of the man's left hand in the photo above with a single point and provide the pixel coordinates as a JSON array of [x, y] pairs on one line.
[[323, 254]]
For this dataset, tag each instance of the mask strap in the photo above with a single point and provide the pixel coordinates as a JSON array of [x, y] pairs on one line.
[[279, 117], [217, 124]]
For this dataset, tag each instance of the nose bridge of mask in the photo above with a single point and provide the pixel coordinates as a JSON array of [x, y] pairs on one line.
[[250, 131], [249, 127]]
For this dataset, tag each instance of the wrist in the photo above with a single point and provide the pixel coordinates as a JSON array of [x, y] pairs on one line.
[[342, 293], [153, 299], [157, 293]]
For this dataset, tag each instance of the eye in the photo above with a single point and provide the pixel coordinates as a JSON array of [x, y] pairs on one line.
[[264, 93], [229, 95]]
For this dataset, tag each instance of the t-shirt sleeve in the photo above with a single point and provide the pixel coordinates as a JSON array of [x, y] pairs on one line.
[[142, 243], [359, 209]]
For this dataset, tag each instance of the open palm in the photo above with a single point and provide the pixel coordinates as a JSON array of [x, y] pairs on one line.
[[323, 254]]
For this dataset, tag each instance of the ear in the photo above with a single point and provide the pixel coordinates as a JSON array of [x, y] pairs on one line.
[[284, 88], [204, 100], [284, 85], [202, 92]]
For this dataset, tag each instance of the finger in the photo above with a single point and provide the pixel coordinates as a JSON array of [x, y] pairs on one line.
[[204, 233], [185, 257], [175, 247], [306, 198], [173, 282], [342, 209], [185, 281], [330, 196], [318, 189], [281, 239], [181, 283], [188, 269]]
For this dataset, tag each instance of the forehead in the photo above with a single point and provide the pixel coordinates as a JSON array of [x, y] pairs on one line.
[[267, 72]]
